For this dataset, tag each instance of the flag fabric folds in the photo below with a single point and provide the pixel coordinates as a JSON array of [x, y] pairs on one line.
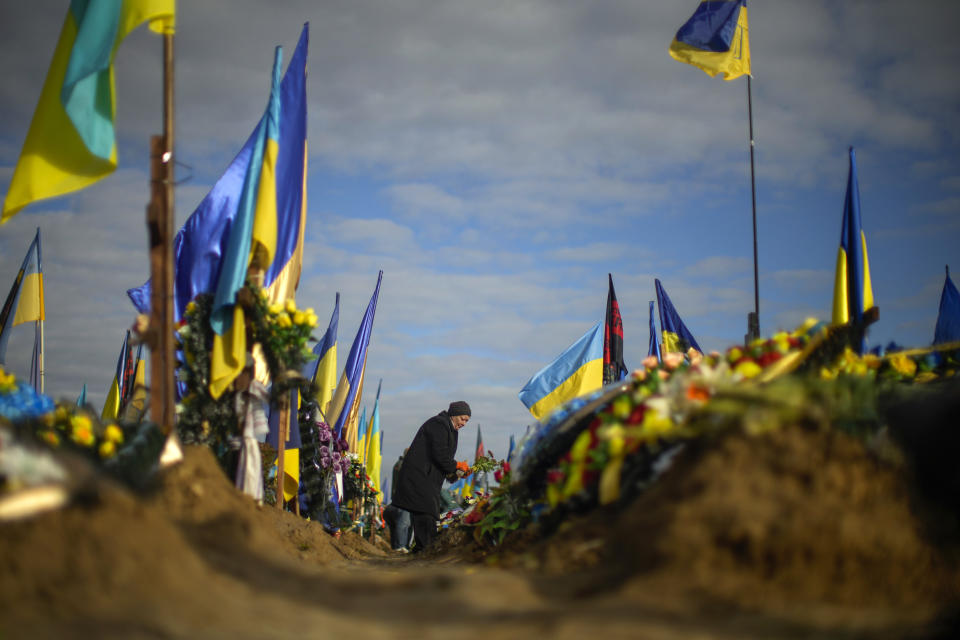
[[201, 243], [324, 373], [24, 303], [676, 336], [362, 436], [613, 367], [510, 448], [252, 240], [374, 443], [113, 403], [71, 141], [576, 371], [852, 291], [82, 398], [948, 317], [291, 452], [715, 39], [653, 347], [347, 396]]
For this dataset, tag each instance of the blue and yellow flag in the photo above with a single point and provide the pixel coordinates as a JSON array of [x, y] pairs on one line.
[[201, 244], [71, 142], [578, 370], [653, 347], [362, 436], [852, 292], [374, 442], [347, 396], [324, 373], [948, 317], [24, 303], [715, 39], [676, 336], [114, 401], [253, 239], [291, 451]]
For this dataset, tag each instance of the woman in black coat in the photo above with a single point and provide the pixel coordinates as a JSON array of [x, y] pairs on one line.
[[429, 460]]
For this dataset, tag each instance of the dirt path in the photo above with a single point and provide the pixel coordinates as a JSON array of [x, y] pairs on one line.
[[195, 559]]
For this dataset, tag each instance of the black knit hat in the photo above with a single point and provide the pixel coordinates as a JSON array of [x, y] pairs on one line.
[[458, 408]]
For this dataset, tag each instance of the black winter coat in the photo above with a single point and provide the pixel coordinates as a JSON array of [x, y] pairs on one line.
[[429, 460]]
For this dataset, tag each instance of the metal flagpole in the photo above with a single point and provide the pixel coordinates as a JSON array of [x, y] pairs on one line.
[[42, 311], [753, 319]]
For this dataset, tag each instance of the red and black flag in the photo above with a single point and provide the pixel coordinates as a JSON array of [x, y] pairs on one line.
[[613, 367]]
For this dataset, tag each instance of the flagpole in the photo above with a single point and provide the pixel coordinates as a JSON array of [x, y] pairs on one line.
[[42, 311], [753, 319]]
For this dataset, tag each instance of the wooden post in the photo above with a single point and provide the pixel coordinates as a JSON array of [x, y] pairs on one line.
[[160, 240], [283, 432]]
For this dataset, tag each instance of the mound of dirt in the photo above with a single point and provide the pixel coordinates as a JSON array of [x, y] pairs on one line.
[[767, 521], [112, 550]]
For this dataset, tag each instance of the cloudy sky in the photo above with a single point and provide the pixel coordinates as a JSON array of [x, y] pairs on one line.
[[498, 158]]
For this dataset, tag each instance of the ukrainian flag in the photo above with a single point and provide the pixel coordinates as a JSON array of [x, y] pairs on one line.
[[852, 292], [114, 401], [253, 239], [948, 316], [325, 371], [374, 443], [24, 303], [715, 39], [345, 404], [653, 346], [676, 336], [576, 371], [362, 437], [201, 244], [71, 142]]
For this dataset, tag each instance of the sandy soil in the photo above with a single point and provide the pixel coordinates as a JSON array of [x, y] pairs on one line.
[[794, 534]]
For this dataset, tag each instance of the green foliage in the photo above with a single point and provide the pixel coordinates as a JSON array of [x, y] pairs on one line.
[[282, 332]]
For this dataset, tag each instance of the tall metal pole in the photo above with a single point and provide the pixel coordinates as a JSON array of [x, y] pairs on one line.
[[753, 320]]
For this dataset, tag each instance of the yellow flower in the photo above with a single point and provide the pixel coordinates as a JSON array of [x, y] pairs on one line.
[[107, 449], [654, 424], [290, 307], [748, 369], [83, 435], [7, 382], [283, 320], [734, 354], [263, 293], [275, 308], [191, 307], [50, 438], [113, 433], [299, 317], [872, 361], [903, 364], [312, 318], [827, 374]]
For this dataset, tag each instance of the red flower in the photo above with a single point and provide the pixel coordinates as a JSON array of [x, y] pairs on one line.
[[498, 475], [555, 476], [506, 467]]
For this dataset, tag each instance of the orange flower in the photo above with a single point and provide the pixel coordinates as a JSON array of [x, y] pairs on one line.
[[698, 393]]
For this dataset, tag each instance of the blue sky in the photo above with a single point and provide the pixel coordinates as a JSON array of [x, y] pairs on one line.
[[497, 159]]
